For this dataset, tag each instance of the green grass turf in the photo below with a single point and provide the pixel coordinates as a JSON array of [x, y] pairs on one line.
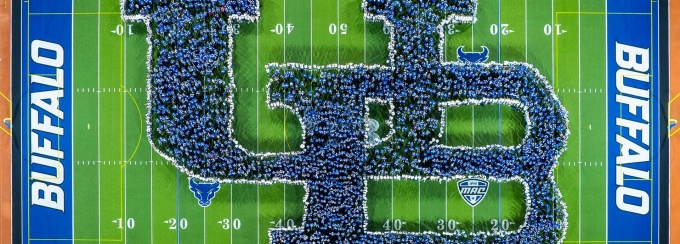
[[119, 176], [408, 205]]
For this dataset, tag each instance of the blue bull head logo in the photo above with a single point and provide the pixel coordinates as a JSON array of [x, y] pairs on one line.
[[473, 57], [203, 192], [190, 70]]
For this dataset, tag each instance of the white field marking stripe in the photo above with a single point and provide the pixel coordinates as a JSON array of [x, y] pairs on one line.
[[124, 149], [579, 121], [204, 230], [473, 107], [284, 112], [73, 175], [99, 140], [177, 201], [473, 36], [311, 34], [151, 195], [118, 162], [473, 219], [338, 23], [499, 114], [284, 38], [552, 59], [311, 43], [446, 139], [231, 211], [552, 39], [130, 90], [593, 164]]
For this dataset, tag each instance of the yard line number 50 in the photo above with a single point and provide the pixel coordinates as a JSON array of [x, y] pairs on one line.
[[333, 29]]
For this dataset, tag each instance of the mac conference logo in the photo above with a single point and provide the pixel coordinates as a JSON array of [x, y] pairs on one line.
[[473, 190]]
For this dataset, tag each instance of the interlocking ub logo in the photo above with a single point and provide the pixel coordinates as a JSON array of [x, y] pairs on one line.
[[190, 69]]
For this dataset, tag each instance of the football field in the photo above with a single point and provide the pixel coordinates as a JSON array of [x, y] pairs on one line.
[[125, 191]]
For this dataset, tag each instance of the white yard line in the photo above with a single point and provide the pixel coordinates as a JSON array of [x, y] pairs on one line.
[[124, 118], [580, 131], [177, 196], [151, 207], [473, 219], [258, 213], [364, 19], [606, 122], [446, 139], [311, 34], [311, 44], [500, 118], [473, 125], [526, 32], [552, 39], [231, 212], [99, 131], [473, 107], [338, 24], [499, 32], [204, 230], [257, 115], [552, 43], [285, 33]]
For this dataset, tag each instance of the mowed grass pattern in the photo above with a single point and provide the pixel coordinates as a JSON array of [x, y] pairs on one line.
[[126, 192]]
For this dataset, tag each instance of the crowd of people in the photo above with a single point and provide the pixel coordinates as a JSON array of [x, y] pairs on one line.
[[191, 113]]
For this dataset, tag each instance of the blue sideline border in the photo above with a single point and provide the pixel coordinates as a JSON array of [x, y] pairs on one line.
[[636, 23], [664, 96], [38, 223]]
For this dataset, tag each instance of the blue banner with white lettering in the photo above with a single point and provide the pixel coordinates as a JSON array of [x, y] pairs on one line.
[[46, 104], [632, 131]]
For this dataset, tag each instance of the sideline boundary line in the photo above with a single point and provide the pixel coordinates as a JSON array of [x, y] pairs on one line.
[[152, 237]]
